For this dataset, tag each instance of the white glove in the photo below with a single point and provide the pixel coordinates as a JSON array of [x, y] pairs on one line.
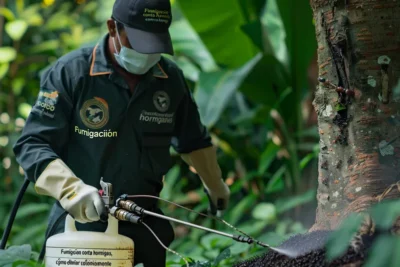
[[219, 195], [82, 201], [206, 165]]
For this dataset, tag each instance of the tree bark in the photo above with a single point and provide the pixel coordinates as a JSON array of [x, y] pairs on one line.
[[358, 109]]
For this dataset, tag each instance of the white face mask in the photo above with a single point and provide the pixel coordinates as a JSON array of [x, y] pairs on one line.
[[134, 62]]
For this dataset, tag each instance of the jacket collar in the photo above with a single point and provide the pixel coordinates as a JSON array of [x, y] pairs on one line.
[[100, 65]]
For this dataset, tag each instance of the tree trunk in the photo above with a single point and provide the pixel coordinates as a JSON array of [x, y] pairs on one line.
[[358, 108]]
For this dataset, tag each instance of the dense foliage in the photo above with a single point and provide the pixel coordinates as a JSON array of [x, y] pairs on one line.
[[250, 67]]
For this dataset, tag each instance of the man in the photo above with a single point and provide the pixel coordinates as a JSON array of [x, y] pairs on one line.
[[113, 111]]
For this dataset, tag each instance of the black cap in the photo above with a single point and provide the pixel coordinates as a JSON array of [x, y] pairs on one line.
[[146, 24]]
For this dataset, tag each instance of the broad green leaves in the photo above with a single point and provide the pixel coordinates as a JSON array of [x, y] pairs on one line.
[[338, 241], [300, 38], [384, 252], [188, 43], [191, 54], [215, 90], [385, 213], [276, 31], [218, 25]]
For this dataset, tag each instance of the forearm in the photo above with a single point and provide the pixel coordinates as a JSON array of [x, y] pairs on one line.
[[33, 154], [206, 165]]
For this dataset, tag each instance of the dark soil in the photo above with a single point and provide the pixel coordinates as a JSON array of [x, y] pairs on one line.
[[312, 246]]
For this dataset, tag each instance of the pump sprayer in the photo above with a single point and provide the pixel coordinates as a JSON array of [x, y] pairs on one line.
[[75, 248]]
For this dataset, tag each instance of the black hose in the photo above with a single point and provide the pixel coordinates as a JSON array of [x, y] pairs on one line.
[[14, 210]]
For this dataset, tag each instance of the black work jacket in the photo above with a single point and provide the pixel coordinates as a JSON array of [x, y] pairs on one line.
[[86, 116]]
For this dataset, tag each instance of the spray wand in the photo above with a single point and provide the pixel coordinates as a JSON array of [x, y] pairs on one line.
[[127, 210]]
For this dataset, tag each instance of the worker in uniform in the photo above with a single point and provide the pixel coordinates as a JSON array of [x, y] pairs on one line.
[[113, 111]]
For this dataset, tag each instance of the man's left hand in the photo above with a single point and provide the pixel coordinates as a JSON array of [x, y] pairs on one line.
[[219, 195]]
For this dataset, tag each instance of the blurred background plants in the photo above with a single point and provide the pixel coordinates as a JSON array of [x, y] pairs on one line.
[[251, 65]]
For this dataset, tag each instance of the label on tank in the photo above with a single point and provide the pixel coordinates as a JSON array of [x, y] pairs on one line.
[[89, 253], [50, 262]]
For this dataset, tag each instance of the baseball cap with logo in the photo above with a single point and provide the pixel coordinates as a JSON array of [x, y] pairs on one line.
[[146, 24]]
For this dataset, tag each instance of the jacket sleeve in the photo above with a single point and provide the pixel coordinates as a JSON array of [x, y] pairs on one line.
[[46, 129], [190, 133]]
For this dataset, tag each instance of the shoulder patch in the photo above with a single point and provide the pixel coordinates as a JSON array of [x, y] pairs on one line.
[[46, 102]]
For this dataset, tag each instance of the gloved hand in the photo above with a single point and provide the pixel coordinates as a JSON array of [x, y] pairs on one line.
[[80, 200], [206, 165], [219, 196]]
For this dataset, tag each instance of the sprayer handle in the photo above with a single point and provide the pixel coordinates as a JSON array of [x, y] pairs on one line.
[[214, 210]]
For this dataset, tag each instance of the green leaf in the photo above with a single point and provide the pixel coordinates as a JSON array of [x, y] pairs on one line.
[[266, 82], [20, 6], [189, 69], [7, 13], [254, 30], [59, 20], [24, 109], [14, 253], [286, 204], [7, 54], [215, 89], [383, 251], [4, 67], [300, 39], [276, 31], [212, 241], [308, 158], [239, 210], [49, 45], [16, 29], [226, 253], [338, 241], [238, 248], [170, 182], [385, 213], [218, 25], [276, 182], [267, 157], [24, 263], [32, 16], [264, 211], [17, 85], [34, 232], [252, 9], [30, 209], [188, 43]]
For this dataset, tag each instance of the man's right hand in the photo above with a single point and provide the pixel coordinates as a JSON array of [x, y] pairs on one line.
[[80, 200], [84, 203]]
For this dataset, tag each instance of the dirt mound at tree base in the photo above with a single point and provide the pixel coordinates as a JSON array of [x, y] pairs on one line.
[[313, 242]]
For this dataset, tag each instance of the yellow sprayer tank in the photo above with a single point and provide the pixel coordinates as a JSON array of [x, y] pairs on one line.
[[84, 248]]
